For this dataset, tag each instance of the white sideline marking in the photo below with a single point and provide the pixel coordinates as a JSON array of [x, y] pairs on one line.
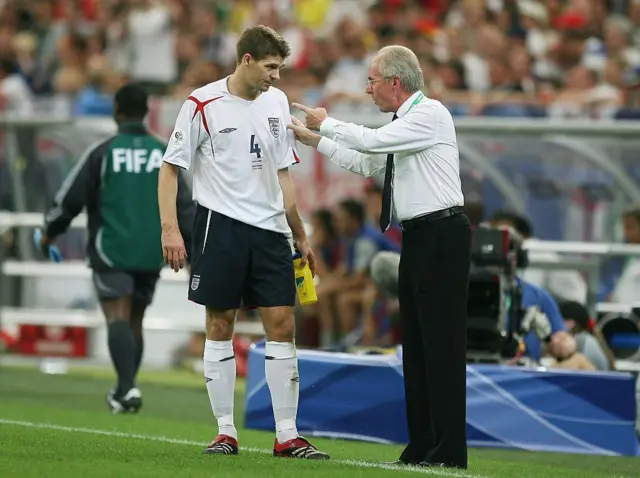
[[178, 441]]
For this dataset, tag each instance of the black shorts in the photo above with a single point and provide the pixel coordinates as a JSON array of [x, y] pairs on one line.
[[114, 284], [234, 264]]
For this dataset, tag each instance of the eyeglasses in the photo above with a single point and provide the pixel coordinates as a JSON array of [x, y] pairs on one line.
[[371, 81]]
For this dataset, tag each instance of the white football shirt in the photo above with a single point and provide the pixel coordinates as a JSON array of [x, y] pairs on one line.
[[234, 149]]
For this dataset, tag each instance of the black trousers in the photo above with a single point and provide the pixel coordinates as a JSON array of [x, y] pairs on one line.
[[433, 288]]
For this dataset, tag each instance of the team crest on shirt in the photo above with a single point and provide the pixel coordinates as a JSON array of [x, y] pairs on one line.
[[274, 126]]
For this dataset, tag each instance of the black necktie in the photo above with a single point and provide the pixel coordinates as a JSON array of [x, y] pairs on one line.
[[387, 191]]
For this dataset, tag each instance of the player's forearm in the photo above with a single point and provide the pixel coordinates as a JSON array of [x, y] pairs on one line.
[[167, 194], [296, 224], [291, 207], [293, 216]]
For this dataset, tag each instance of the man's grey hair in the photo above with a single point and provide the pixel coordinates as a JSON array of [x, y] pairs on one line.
[[399, 61]]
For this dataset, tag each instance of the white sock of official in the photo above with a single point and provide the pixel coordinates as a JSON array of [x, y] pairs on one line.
[[281, 369], [220, 378]]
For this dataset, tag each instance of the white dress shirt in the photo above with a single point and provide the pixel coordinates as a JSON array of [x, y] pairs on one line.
[[423, 141]]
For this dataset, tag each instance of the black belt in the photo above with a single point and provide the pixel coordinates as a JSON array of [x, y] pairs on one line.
[[420, 221]]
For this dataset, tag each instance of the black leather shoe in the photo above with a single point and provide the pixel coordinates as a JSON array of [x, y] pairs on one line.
[[394, 463], [426, 464]]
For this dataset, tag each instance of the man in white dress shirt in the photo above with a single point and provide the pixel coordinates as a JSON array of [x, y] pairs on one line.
[[419, 154], [232, 134]]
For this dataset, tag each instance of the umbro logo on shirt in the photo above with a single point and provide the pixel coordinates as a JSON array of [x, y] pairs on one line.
[[227, 130]]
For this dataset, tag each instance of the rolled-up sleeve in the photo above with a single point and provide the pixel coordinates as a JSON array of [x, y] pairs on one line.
[[415, 131], [352, 160], [187, 135]]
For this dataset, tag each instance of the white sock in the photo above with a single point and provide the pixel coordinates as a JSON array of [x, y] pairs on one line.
[[281, 369], [220, 378]]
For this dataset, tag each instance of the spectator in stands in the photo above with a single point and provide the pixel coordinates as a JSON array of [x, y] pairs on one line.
[[392, 238], [150, 33], [565, 285], [324, 241], [589, 341], [346, 78], [358, 245], [16, 97], [562, 352], [380, 319], [627, 289], [472, 45], [96, 97], [25, 47]]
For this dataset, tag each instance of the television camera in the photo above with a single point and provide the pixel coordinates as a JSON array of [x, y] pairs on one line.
[[496, 320]]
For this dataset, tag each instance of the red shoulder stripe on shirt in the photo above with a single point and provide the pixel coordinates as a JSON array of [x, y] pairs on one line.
[[200, 109], [295, 156]]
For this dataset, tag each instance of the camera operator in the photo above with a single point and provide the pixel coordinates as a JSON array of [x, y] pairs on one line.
[[564, 284], [541, 318]]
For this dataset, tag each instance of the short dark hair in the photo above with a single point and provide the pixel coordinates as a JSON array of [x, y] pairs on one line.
[[326, 219], [261, 42], [131, 101], [519, 223], [354, 209], [571, 310]]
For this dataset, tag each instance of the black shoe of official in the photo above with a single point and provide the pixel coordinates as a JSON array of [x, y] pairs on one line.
[[399, 462], [130, 402], [426, 464]]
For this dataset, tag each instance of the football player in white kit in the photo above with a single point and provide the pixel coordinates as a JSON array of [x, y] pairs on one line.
[[232, 134]]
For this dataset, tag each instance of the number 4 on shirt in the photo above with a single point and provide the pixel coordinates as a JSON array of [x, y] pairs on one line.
[[255, 147]]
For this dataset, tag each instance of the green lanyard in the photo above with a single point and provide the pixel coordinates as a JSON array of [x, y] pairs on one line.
[[416, 101]]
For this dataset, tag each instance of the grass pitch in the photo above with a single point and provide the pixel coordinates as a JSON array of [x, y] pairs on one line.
[[57, 426]]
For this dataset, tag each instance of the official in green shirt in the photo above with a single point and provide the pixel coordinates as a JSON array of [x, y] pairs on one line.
[[116, 181]]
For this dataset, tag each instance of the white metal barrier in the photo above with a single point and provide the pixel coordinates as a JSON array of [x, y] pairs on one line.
[[12, 316], [78, 269]]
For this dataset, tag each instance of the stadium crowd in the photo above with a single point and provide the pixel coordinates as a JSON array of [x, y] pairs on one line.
[[527, 58], [561, 58]]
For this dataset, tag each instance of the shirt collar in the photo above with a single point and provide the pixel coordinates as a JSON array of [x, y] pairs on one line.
[[224, 87], [132, 128], [406, 106]]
